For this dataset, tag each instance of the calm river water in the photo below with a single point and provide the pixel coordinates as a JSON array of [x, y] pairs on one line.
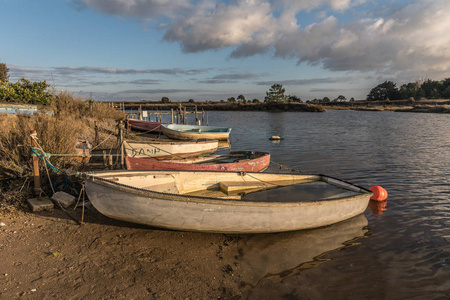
[[401, 251]]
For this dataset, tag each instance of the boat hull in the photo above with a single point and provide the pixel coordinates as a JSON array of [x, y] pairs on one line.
[[243, 161], [167, 149], [148, 126], [191, 132], [191, 213]]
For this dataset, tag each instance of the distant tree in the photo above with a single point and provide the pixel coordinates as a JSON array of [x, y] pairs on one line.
[[409, 90], [221, 101], [165, 100], [446, 88], [4, 76], [275, 94], [231, 99], [432, 89], [241, 98], [191, 101], [295, 99], [384, 91], [341, 98], [325, 100], [352, 99], [255, 100]]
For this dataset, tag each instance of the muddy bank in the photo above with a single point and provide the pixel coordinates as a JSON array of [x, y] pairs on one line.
[[49, 255]]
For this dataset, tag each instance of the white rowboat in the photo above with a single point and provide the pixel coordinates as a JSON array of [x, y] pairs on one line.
[[170, 149], [227, 202]]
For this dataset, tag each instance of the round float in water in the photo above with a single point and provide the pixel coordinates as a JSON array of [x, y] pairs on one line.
[[275, 138], [379, 193]]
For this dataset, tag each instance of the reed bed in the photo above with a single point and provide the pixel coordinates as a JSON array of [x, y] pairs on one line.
[[67, 119]]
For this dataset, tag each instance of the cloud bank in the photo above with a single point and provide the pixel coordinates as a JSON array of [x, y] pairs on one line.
[[405, 38]]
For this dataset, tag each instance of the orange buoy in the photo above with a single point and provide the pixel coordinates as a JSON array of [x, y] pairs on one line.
[[379, 193]]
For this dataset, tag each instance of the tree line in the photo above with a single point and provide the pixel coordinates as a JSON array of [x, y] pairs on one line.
[[25, 91], [429, 89]]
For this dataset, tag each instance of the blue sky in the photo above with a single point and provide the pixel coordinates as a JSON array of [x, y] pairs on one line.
[[119, 50]]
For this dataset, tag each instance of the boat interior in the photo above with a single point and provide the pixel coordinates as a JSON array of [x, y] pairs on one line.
[[254, 187]]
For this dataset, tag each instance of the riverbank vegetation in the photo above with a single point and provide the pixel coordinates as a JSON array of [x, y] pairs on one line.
[[66, 119]]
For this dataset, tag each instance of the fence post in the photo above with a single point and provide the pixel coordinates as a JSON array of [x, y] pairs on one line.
[[37, 180], [121, 143]]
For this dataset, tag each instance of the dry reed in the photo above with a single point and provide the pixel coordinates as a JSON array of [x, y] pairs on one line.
[[72, 119]]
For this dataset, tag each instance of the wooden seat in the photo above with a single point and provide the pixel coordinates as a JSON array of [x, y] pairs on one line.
[[232, 186]]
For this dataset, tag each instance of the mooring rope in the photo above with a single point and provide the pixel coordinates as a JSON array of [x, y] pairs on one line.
[[63, 172], [285, 167]]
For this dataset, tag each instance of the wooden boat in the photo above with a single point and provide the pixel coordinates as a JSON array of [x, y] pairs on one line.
[[170, 149], [245, 161], [148, 126], [191, 132], [227, 202]]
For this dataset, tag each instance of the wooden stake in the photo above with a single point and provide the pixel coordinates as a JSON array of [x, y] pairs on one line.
[[96, 139], [36, 177], [121, 144], [197, 121]]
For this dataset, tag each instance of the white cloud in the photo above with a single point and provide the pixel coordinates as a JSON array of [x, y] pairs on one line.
[[224, 26], [410, 40]]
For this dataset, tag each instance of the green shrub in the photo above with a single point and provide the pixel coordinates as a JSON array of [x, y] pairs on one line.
[[25, 91]]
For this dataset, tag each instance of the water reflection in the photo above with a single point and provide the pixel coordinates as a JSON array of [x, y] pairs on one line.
[[224, 144], [377, 207], [275, 257]]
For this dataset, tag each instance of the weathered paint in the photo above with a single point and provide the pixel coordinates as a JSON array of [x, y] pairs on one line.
[[191, 132], [167, 149], [158, 198], [246, 161]]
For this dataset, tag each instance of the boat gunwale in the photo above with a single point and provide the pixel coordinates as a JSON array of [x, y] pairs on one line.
[[215, 200], [168, 126], [174, 142]]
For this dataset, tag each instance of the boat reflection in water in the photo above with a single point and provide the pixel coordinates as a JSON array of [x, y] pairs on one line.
[[224, 144], [278, 256], [377, 207]]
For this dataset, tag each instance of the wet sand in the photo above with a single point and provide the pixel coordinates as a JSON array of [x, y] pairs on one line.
[[48, 255]]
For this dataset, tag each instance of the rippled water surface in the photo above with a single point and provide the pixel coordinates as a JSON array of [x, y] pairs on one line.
[[396, 250]]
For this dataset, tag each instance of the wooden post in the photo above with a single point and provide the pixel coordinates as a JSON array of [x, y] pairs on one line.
[[104, 159], [110, 162], [96, 139], [207, 121], [171, 112], [197, 121], [37, 180], [184, 117], [121, 144], [180, 112], [140, 112], [203, 116]]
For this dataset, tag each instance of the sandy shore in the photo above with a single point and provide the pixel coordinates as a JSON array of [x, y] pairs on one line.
[[48, 255]]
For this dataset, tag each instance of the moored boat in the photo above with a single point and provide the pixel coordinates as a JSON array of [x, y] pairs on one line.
[[227, 202], [147, 126], [170, 149], [245, 161], [191, 132]]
